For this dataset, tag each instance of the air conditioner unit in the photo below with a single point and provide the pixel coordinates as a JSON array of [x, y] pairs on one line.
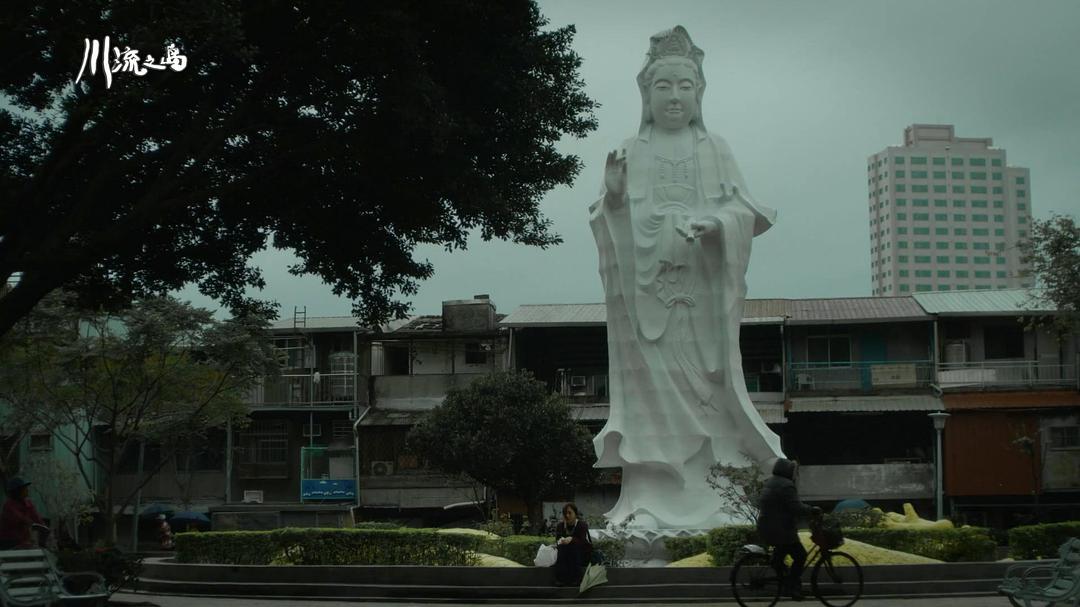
[[382, 468], [577, 381], [312, 429], [253, 496]]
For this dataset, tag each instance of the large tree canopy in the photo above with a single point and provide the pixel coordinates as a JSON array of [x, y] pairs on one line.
[[347, 131], [1053, 250]]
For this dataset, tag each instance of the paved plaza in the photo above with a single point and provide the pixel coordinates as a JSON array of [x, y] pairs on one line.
[[124, 599]]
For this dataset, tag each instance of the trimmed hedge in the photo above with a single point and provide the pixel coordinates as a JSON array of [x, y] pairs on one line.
[[328, 547], [518, 548], [724, 542], [685, 547], [1040, 541], [950, 545]]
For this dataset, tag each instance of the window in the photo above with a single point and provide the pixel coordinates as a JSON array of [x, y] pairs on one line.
[[903, 273], [1004, 340], [999, 231], [981, 260], [922, 259], [980, 232], [943, 287], [959, 217], [941, 245], [207, 455], [999, 204], [829, 349], [978, 204], [959, 231], [1002, 274], [939, 174], [961, 259], [1019, 181], [961, 273], [41, 441], [981, 246], [957, 162], [978, 189], [918, 174], [905, 288], [396, 359], [1021, 194], [942, 273], [901, 230], [266, 442], [902, 258], [476, 353], [1021, 220], [921, 216], [978, 217], [1021, 233], [920, 202], [923, 288], [919, 188], [901, 174], [901, 216], [962, 287], [939, 189], [941, 231], [901, 187], [960, 245], [995, 162], [901, 202], [977, 175], [941, 202], [1021, 206], [995, 176], [959, 203], [901, 244], [918, 160], [982, 287], [999, 219], [958, 189], [939, 160], [941, 216], [922, 244], [998, 190], [957, 174], [1000, 260], [898, 160], [977, 162], [921, 231], [923, 273], [1065, 437]]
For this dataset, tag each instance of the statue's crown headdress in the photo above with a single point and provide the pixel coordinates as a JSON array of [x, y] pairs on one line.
[[674, 42]]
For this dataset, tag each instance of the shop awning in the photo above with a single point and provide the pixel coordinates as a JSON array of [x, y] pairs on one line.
[[850, 404]]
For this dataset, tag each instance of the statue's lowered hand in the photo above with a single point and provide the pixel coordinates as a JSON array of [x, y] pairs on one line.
[[701, 227]]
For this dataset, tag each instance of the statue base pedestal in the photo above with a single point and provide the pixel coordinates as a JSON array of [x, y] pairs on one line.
[[645, 547]]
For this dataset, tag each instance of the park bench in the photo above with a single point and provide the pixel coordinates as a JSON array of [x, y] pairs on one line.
[[30, 577], [1024, 583]]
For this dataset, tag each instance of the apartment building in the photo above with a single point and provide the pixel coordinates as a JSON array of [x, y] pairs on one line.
[[946, 214]]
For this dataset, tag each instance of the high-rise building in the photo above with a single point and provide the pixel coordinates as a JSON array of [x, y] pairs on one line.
[[946, 214]]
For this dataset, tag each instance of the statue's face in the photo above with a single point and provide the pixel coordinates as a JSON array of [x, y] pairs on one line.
[[673, 95]]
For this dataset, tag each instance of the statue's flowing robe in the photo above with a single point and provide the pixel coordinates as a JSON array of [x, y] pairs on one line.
[[678, 397]]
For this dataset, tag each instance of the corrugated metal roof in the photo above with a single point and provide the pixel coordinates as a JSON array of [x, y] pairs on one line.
[[854, 309], [1001, 302], [904, 402], [757, 311]]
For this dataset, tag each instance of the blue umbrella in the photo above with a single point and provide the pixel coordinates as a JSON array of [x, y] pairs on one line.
[[189, 517], [153, 510], [850, 504]]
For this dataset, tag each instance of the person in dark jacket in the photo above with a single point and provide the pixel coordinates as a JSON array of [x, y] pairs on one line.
[[574, 546], [779, 509], [18, 516]]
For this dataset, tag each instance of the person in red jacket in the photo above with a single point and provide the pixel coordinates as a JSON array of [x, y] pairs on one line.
[[18, 516]]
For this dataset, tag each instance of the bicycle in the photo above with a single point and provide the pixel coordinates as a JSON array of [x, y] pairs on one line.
[[836, 579]]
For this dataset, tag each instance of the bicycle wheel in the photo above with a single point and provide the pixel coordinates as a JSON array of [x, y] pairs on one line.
[[837, 580], [755, 582]]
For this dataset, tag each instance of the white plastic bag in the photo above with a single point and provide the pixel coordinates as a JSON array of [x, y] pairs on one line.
[[546, 556]]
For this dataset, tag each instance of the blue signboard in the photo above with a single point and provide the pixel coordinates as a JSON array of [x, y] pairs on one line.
[[328, 489]]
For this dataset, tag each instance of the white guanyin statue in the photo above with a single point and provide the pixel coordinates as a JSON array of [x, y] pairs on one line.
[[673, 227]]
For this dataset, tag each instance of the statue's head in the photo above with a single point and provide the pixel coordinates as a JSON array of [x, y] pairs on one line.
[[671, 81]]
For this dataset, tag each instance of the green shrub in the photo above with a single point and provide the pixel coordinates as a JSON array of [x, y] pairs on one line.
[[723, 543], [376, 525], [869, 518], [327, 547], [612, 551], [1040, 541], [518, 548], [683, 547], [951, 545], [118, 568]]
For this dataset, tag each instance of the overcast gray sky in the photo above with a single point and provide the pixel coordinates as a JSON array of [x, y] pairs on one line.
[[803, 91]]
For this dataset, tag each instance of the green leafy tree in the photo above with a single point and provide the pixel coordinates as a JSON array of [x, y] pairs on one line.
[[739, 488], [508, 431], [161, 373], [348, 132], [1053, 250]]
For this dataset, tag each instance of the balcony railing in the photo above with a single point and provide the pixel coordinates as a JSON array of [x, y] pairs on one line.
[[302, 390], [1006, 374], [859, 376]]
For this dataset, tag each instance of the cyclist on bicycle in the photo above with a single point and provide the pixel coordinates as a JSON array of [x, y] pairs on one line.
[[779, 509]]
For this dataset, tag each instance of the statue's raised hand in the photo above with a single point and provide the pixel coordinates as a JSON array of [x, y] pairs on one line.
[[615, 178]]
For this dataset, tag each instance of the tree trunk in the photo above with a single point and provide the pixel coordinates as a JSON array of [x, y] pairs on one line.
[[535, 508]]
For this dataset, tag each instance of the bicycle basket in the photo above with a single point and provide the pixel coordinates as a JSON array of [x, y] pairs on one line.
[[827, 534]]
